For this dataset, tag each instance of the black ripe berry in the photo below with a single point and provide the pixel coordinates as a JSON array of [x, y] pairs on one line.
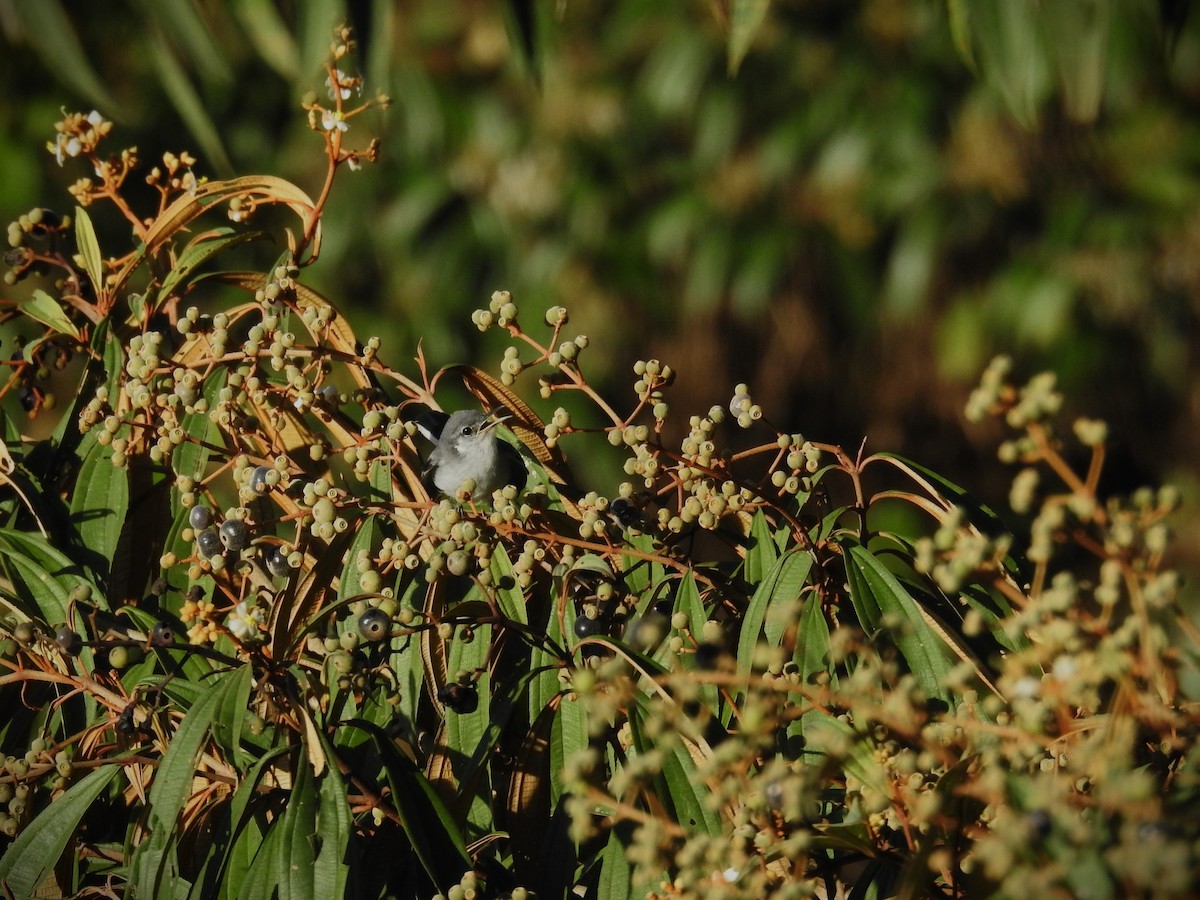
[[375, 625]]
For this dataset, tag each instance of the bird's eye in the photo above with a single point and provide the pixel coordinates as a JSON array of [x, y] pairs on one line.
[[468, 431]]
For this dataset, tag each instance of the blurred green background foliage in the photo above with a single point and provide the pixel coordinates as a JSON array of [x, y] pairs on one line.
[[884, 194]]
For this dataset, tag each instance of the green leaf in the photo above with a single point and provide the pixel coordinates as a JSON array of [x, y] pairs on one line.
[[524, 31], [465, 731], [230, 716], [50, 31], [615, 872], [47, 573], [762, 553], [198, 251], [881, 600], [811, 654], [959, 15], [1012, 54], [746, 18], [191, 457], [687, 600], [334, 826], [245, 837], [38, 847], [431, 829], [570, 735], [187, 102], [778, 593], [89, 248], [189, 32], [154, 865], [45, 309], [509, 596], [100, 501], [681, 785], [350, 582], [265, 29], [303, 853], [1078, 39]]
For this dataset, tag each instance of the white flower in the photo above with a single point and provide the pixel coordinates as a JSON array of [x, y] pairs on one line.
[[354, 163], [331, 120], [342, 80], [94, 118]]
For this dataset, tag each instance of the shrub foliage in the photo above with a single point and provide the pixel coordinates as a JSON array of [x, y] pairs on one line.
[[245, 653]]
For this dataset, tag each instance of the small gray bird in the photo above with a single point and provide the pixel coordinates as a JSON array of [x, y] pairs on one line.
[[467, 448]]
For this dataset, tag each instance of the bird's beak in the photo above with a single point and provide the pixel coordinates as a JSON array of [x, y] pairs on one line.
[[494, 418]]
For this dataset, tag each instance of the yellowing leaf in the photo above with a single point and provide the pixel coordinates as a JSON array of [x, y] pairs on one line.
[[89, 248], [45, 309]]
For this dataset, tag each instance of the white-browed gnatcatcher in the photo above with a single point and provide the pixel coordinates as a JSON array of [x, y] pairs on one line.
[[466, 447]]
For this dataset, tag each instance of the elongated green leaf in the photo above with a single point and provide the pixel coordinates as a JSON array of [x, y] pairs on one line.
[[188, 31], [49, 29], [89, 248], [37, 848], [830, 735], [334, 825], [958, 12], [261, 881], [687, 600], [570, 735], [778, 591], [762, 553], [266, 30], [350, 581], [191, 457], [465, 731], [295, 858], [45, 309], [811, 654], [881, 600], [681, 786], [230, 716], [187, 102], [521, 17], [245, 837], [528, 798], [546, 685], [615, 872], [47, 572], [1078, 38], [154, 865], [509, 597], [100, 501], [1011, 53], [746, 18], [199, 251], [431, 829]]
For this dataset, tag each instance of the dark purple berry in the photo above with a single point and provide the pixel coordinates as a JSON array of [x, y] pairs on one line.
[[69, 640], [200, 517], [375, 625], [460, 698], [707, 655], [585, 627], [163, 633], [258, 480], [626, 513], [235, 535], [277, 562], [208, 543]]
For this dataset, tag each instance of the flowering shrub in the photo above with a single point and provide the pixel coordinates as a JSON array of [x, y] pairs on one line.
[[246, 653]]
